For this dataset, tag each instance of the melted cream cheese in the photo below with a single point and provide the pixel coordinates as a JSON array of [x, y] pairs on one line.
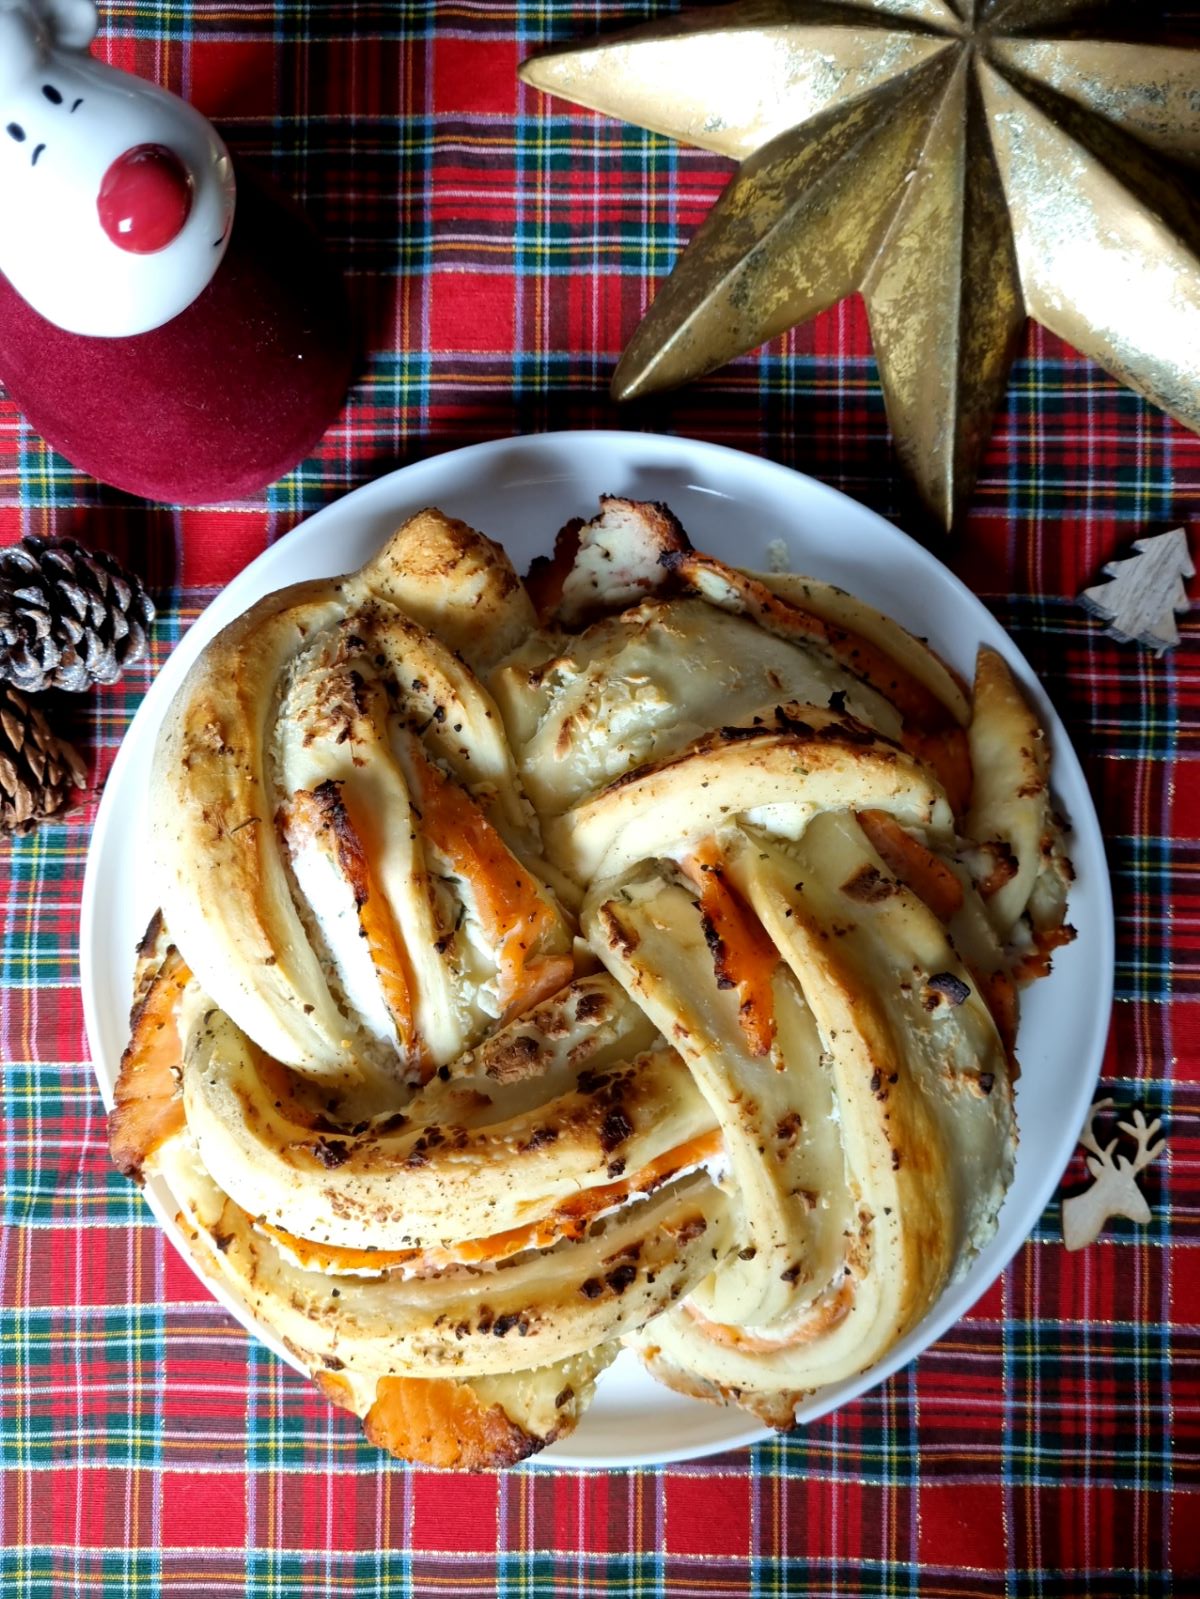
[[330, 900]]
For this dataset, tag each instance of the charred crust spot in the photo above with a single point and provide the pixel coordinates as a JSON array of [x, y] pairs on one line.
[[787, 723], [837, 701], [592, 1288], [540, 1137], [790, 1273], [895, 1160], [1004, 867], [564, 1397], [748, 1253], [716, 948], [619, 937], [944, 986], [680, 547], [332, 1363], [735, 735], [221, 1241], [512, 1060], [848, 730], [503, 1325], [358, 691], [987, 1081], [148, 945], [592, 1082], [869, 886], [591, 1007], [329, 1154], [876, 1082], [621, 1277], [789, 1127], [547, 574], [331, 809], [616, 1168], [418, 1156], [693, 1227], [615, 1129]]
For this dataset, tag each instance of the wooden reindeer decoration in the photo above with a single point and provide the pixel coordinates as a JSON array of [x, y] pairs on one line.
[[1115, 1191]]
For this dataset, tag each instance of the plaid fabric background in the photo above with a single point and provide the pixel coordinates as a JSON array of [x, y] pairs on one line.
[[499, 251]]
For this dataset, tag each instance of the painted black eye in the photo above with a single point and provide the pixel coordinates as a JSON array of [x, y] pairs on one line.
[[16, 131], [52, 94]]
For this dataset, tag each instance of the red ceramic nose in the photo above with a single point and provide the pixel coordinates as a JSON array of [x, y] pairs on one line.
[[145, 199]]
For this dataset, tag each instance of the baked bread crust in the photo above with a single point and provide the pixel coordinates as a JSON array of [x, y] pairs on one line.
[[451, 1172]]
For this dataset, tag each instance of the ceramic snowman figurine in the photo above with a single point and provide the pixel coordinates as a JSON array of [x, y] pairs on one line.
[[166, 334]]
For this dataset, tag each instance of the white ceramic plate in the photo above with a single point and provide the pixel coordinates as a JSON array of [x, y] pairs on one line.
[[521, 491]]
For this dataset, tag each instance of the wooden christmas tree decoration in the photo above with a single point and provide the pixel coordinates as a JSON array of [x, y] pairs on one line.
[[1144, 591], [1115, 1191]]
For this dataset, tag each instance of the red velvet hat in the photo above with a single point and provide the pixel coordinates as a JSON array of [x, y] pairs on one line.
[[166, 335]]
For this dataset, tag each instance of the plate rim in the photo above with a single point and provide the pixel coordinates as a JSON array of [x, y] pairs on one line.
[[227, 604]]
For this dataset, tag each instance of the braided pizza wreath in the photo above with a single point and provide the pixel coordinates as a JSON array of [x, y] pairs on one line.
[[625, 957]]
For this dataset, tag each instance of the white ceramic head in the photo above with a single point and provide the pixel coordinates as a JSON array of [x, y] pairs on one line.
[[117, 197]]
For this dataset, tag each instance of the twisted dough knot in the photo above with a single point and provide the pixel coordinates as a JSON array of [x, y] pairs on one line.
[[640, 969]]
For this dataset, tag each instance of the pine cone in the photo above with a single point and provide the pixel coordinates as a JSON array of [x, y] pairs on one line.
[[38, 771], [69, 617]]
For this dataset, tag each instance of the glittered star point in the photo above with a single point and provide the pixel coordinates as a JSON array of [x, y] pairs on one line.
[[963, 163]]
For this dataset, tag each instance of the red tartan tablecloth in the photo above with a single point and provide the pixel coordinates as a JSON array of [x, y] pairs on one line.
[[499, 251]]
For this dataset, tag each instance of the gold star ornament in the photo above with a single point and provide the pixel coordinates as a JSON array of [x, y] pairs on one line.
[[965, 163]]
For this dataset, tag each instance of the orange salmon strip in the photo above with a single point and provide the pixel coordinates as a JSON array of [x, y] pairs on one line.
[[743, 956], [932, 881], [320, 1257], [999, 994], [1037, 964], [514, 914], [947, 754], [917, 868], [917, 704], [571, 1217], [147, 1102], [440, 1421], [568, 1220], [823, 1318], [323, 814]]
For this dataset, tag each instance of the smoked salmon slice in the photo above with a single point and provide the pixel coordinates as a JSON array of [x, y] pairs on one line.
[[744, 957], [441, 1421], [917, 867], [568, 1220], [323, 815], [147, 1101], [512, 911]]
